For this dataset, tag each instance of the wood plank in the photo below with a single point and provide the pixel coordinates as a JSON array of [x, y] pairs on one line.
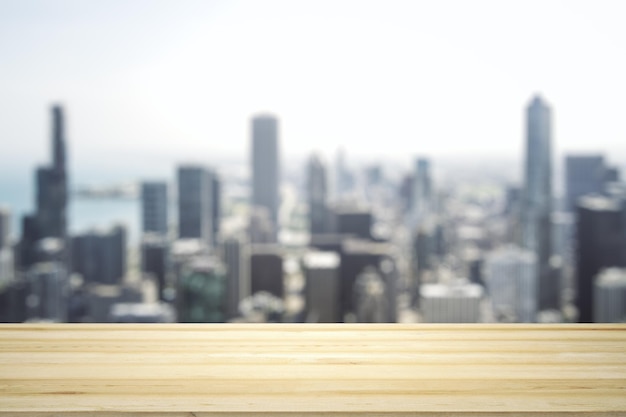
[[321, 370]]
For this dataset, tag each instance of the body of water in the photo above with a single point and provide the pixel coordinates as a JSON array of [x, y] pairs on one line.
[[18, 195]]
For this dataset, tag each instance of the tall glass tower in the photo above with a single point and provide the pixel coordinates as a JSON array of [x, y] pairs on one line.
[[52, 184], [537, 199], [316, 193], [266, 166]]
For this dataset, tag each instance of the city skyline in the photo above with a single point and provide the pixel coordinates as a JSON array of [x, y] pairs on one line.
[[177, 82], [408, 250]]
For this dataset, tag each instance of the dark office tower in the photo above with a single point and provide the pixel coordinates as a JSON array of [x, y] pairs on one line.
[[584, 174], [537, 199], [194, 198], [353, 221], [26, 247], [600, 244], [266, 270], [423, 254], [356, 255], [266, 167], [52, 185], [216, 206], [154, 259], [237, 277], [317, 196], [322, 273], [100, 256], [154, 207]]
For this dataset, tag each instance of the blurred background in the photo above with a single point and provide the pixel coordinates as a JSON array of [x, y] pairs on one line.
[[312, 161]]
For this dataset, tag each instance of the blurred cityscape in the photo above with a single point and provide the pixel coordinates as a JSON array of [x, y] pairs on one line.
[[331, 243]]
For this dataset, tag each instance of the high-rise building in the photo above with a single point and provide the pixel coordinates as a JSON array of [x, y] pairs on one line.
[[609, 296], [317, 196], [354, 221], [201, 295], [584, 174], [266, 166], [457, 302], [599, 244], [216, 206], [321, 272], [510, 275], [423, 255], [155, 260], [154, 207], [422, 192], [536, 208], [357, 255], [6, 249], [370, 300], [194, 203], [261, 228], [5, 231], [50, 217], [52, 184], [100, 256], [237, 274], [266, 270], [48, 292], [6, 266]]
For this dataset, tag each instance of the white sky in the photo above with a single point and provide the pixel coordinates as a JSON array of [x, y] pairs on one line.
[[147, 81]]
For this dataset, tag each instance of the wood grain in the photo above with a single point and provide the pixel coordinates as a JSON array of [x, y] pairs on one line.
[[321, 370]]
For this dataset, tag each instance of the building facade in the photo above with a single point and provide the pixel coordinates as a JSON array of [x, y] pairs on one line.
[[511, 278], [266, 167], [194, 203], [599, 244], [609, 293], [317, 196], [536, 208], [154, 203]]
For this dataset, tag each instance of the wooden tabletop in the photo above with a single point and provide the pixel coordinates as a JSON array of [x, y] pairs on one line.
[[330, 370]]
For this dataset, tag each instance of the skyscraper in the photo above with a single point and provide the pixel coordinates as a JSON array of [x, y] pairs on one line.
[[194, 209], [317, 196], [511, 279], [266, 166], [455, 302], [321, 271], [609, 296], [201, 295], [48, 285], [422, 192], [584, 174], [216, 206], [537, 199], [52, 184], [5, 223], [100, 255], [154, 207], [266, 270], [599, 245], [50, 217], [237, 277], [155, 260]]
